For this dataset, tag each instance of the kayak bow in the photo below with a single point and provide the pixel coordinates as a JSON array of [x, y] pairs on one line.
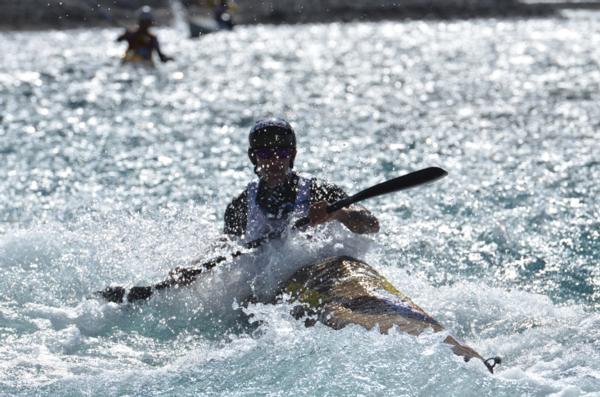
[[341, 291]]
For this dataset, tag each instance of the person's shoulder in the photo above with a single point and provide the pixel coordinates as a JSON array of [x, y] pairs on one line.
[[236, 215], [238, 204], [239, 199], [145, 34], [126, 33], [321, 183], [324, 190], [151, 36]]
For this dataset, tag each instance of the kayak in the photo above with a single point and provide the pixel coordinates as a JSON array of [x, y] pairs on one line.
[[340, 291], [337, 291], [130, 57]]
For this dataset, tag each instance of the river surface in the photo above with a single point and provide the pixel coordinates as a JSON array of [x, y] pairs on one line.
[[115, 174]]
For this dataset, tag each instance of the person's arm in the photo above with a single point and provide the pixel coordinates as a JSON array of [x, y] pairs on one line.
[[356, 218], [123, 36], [156, 46]]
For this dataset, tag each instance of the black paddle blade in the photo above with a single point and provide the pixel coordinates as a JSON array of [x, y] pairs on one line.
[[112, 294], [139, 293], [421, 177], [117, 294]]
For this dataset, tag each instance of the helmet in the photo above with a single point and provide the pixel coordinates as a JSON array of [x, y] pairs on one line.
[[271, 132], [145, 15]]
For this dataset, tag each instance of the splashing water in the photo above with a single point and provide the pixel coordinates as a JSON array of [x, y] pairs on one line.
[[180, 24]]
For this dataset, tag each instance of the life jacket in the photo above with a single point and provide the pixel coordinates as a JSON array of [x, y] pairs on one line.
[[140, 47], [260, 225]]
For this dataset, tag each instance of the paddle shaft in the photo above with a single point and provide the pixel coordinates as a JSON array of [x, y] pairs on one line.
[[184, 276], [403, 182]]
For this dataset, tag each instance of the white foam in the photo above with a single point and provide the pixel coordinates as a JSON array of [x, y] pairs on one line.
[[29, 249]]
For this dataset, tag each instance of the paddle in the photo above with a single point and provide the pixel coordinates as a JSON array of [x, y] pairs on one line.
[[184, 276]]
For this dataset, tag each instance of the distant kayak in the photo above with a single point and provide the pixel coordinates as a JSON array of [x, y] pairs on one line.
[[340, 291], [131, 57]]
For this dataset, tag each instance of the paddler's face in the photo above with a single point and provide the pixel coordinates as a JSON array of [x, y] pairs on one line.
[[273, 164]]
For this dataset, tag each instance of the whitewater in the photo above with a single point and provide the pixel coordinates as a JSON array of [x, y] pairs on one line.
[[113, 175]]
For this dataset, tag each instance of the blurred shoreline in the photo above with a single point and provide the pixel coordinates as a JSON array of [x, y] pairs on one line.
[[68, 14]]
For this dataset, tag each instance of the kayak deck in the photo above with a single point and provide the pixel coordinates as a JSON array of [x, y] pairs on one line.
[[343, 290]]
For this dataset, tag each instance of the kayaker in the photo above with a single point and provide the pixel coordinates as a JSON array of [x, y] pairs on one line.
[[222, 15], [269, 204], [141, 43]]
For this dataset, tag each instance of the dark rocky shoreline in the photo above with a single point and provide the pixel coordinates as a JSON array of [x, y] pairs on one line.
[[65, 14]]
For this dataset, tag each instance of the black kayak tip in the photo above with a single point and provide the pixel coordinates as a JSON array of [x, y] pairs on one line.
[[491, 363]]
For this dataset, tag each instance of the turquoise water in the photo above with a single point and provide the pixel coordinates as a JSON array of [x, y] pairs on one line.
[[116, 174]]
